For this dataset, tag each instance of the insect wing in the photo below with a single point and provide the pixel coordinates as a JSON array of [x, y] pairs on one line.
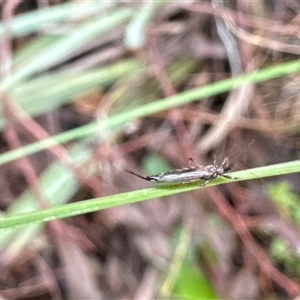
[[183, 176]]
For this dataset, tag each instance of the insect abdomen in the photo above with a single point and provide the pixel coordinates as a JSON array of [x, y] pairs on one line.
[[182, 176]]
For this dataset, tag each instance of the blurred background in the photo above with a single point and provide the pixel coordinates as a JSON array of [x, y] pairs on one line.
[[78, 70]]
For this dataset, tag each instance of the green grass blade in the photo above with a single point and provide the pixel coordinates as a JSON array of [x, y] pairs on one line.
[[154, 107], [67, 85], [67, 44], [58, 185], [74, 209], [31, 22]]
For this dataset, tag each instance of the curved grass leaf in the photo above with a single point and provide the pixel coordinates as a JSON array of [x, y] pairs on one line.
[[154, 107], [74, 209], [31, 22]]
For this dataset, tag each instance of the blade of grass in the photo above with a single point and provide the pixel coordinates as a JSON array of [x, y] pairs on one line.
[[31, 22], [67, 85], [74, 209], [154, 107], [58, 184], [80, 35], [136, 30]]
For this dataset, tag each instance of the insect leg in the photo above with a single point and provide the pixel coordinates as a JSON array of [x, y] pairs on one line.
[[225, 161], [193, 164], [229, 177], [205, 183]]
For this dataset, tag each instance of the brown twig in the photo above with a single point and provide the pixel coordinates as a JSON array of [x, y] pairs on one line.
[[9, 130], [158, 70], [291, 287]]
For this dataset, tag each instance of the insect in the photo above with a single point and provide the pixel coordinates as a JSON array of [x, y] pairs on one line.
[[195, 172]]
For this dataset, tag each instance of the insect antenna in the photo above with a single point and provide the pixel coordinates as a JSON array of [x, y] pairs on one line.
[[140, 176], [256, 176], [229, 169], [249, 145]]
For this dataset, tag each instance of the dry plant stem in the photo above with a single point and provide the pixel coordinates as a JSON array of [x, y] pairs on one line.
[[24, 163], [261, 41], [267, 125], [5, 46], [245, 49], [264, 116], [176, 264], [292, 27], [229, 42], [47, 274], [57, 226], [12, 109], [282, 228], [234, 107], [135, 144], [238, 100], [263, 24], [252, 21], [158, 69], [9, 131], [39, 133], [148, 284], [61, 237], [266, 285], [291, 287]]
